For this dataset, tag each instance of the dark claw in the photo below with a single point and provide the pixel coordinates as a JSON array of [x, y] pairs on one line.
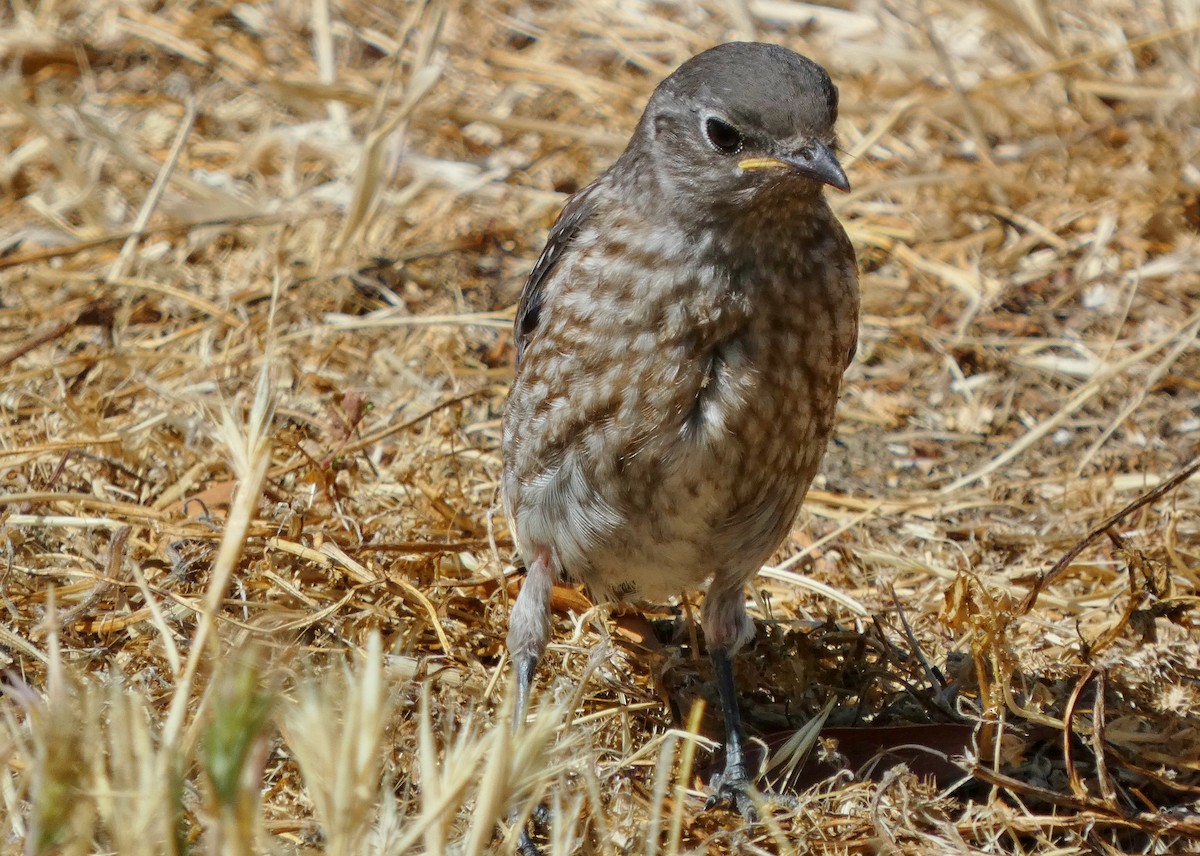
[[525, 845], [539, 817], [734, 788]]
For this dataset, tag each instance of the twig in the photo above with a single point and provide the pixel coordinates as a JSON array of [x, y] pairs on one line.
[[121, 264], [1062, 564], [35, 341]]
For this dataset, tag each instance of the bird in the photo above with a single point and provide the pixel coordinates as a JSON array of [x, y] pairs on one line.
[[680, 349]]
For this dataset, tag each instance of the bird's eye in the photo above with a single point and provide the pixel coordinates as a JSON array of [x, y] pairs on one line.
[[724, 137]]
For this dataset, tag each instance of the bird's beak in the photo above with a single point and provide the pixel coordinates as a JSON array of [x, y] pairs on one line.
[[814, 160]]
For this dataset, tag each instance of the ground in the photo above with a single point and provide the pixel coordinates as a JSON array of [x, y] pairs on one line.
[[258, 264]]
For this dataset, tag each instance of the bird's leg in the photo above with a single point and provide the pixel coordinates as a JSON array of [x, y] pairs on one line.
[[726, 629], [529, 628], [528, 632], [526, 666], [731, 785]]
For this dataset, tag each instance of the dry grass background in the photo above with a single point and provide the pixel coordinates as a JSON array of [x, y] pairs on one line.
[[257, 267]]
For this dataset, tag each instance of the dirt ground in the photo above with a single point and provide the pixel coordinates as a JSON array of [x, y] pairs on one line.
[[258, 267]]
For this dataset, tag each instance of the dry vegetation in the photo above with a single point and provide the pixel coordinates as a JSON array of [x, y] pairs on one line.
[[257, 267]]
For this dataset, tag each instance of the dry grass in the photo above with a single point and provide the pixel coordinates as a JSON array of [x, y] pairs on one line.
[[257, 266]]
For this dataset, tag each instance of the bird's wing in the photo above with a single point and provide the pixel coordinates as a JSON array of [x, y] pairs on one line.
[[529, 309], [850, 273]]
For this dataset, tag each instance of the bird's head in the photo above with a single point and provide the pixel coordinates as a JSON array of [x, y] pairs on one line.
[[741, 119]]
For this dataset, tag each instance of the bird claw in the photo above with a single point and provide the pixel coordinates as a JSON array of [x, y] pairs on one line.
[[539, 817], [526, 847], [732, 788], [735, 789]]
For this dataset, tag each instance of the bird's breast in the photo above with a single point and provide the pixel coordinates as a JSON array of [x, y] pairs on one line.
[[671, 413]]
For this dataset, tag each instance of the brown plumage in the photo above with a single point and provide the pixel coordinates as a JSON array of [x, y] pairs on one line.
[[680, 349]]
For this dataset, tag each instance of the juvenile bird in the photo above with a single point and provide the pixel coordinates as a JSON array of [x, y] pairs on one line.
[[680, 348]]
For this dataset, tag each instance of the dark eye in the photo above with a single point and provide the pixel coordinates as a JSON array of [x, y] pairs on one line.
[[724, 137]]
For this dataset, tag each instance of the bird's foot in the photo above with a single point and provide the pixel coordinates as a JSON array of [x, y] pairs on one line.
[[539, 818], [525, 845], [736, 789]]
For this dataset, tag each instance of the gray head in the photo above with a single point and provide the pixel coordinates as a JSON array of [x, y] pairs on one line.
[[740, 118]]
